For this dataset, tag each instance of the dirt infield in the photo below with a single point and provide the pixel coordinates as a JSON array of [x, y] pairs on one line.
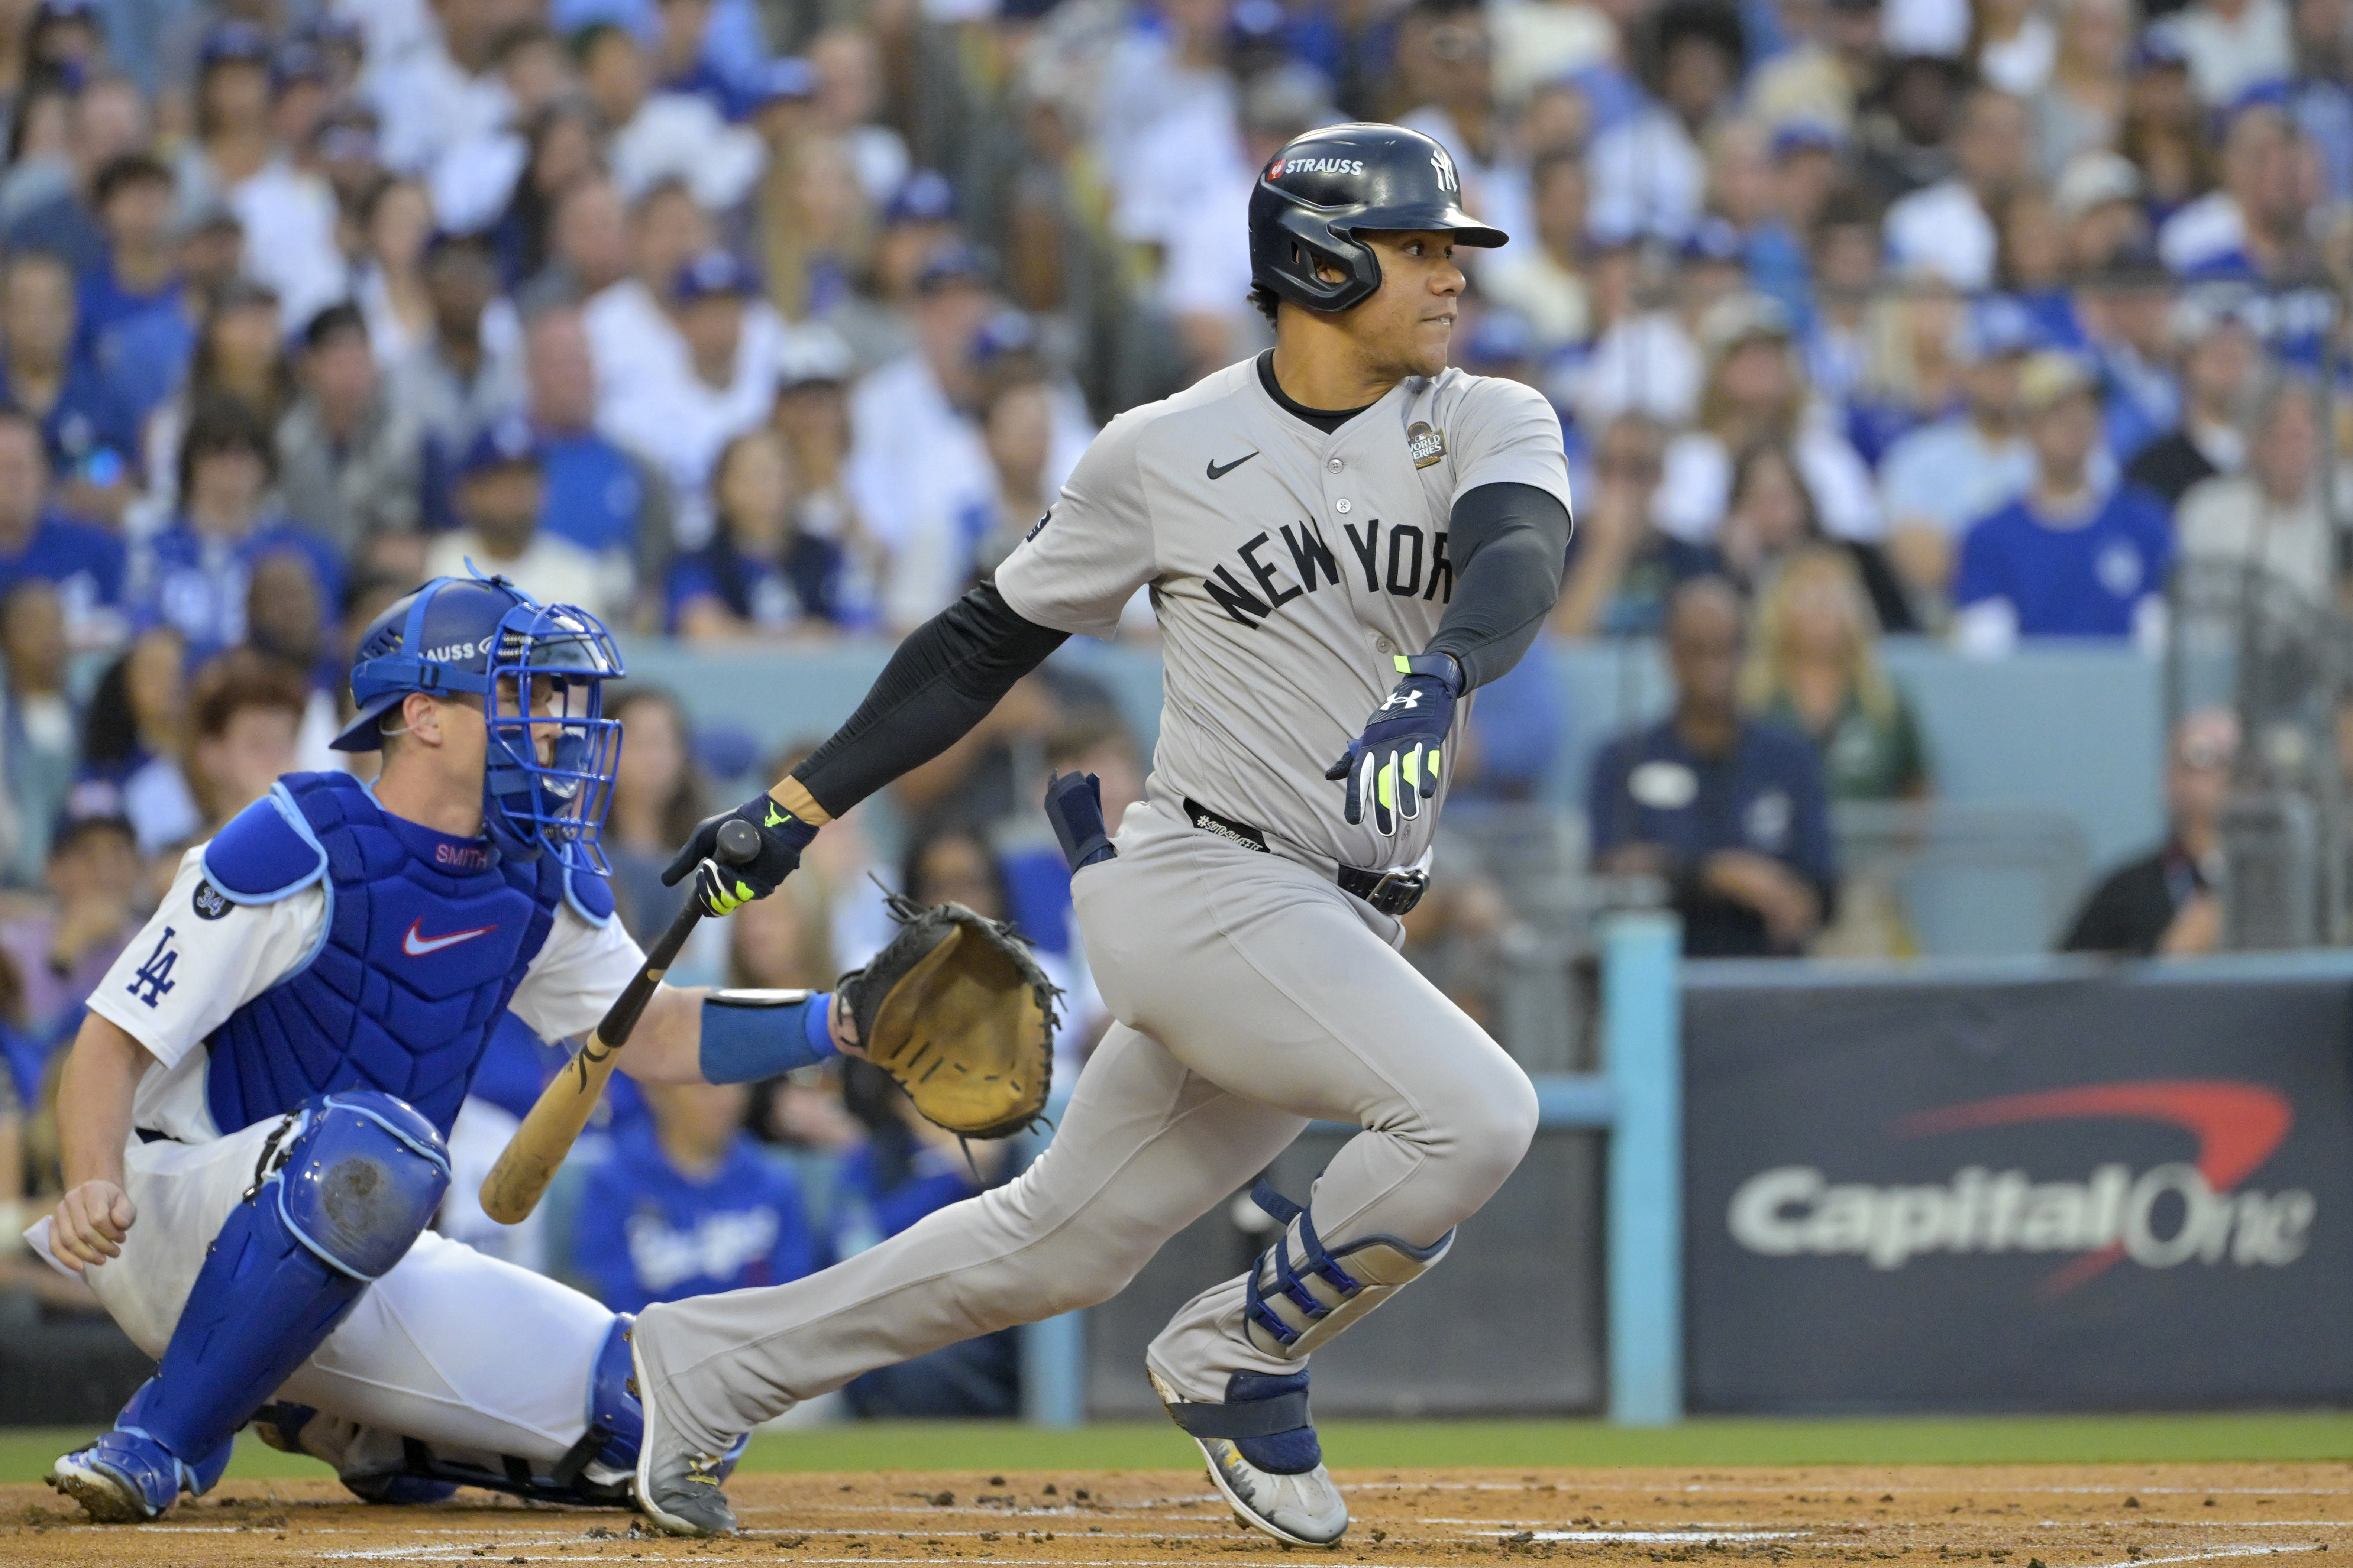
[[2138, 1516]]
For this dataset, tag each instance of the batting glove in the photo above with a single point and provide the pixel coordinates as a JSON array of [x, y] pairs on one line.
[[1394, 764], [783, 836]]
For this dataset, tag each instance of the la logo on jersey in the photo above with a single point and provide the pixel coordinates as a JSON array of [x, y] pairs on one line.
[[416, 944]]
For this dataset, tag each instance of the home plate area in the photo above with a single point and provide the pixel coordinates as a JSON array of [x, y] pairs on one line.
[[2135, 1516]]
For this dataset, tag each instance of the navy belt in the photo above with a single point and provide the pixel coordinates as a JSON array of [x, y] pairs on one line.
[[1393, 893]]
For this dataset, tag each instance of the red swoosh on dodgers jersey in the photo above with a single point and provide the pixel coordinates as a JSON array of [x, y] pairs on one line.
[[418, 946]]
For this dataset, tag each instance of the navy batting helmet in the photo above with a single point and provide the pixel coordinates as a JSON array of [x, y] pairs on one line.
[[1325, 187]]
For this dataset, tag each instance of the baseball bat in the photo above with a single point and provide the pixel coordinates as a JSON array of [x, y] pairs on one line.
[[528, 1162]]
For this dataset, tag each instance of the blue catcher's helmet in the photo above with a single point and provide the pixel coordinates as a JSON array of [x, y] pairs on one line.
[[540, 672]]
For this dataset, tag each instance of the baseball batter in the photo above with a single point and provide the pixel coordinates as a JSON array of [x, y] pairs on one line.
[[253, 1116], [1342, 526]]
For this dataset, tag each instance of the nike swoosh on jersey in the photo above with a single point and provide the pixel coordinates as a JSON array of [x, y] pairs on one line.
[[416, 944], [1219, 473]]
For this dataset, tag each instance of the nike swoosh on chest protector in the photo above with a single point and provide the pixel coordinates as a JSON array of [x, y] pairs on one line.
[[416, 944]]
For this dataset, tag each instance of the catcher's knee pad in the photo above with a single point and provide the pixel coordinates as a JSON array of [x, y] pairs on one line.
[[1299, 1294], [362, 1181], [342, 1190]]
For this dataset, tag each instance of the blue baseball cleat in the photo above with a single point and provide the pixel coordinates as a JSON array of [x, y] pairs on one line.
[[129, 1478], [1263, 1456]]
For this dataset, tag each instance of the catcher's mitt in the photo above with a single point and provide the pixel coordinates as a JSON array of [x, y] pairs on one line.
[[957, 1012]]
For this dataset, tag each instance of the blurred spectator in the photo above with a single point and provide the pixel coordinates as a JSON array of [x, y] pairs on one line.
[[760, 576], [2015, 46], [600, 496], [90, 434], [1648, 176], [2233, 45], [39, 543], [2082, 109], [815, 226], [1731, 811], [37, 723], [1620, 567], [2125, 311], [1846, 270], [918, 460], [2273, 520], [1541, 277], [1815, 667], [589, 243], [2070, 557], [2254, 217], [1950, 227], [1756, 392], [467, 374], [288, 213], [2165, 903], [287, 622], [239, 358], [2166, 133], [906, 1169], [1643, 361], [500, 496], [1906, 141], [662, 135], [1912, 375], [1942, 477], [630, 327], [2220, 358], [347, 459], [395, 220], [1017, 428], [559, 148], [192, 576], [658, 797], [63, 952], [812, 414], [135, 325], [688, 1204], [2098, 197], [679, 412], [45, 202], [1771, 515], [2320, 96], [247, 718], [135, 733]]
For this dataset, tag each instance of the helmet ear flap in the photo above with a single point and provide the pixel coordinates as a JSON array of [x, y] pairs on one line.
[[1313, 242]]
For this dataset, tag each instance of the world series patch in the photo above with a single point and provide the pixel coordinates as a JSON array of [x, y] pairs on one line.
[[210, 901], [1424, 444]]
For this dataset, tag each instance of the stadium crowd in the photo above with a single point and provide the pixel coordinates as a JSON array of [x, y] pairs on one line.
[[784, 320]]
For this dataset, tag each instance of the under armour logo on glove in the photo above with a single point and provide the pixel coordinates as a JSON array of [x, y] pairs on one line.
[[1395, 763], [722, 890]]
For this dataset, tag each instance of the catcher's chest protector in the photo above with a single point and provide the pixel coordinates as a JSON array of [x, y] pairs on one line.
[[426, 937]]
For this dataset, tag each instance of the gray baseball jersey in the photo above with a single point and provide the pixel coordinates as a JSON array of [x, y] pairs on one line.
[[1287, 567]]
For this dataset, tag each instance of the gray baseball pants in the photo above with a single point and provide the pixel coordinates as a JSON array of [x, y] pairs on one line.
[[1253, 996]]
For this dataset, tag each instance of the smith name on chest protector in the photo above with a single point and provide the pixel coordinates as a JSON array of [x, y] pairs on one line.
[[425, 940]]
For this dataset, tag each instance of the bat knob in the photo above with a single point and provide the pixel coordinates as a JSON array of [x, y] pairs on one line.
[[739, 842]]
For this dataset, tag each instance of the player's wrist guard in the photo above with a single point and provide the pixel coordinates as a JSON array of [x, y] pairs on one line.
[[783, 836]]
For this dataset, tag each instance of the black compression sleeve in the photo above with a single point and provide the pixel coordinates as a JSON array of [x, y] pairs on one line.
[[944, 679], [1509, 544]]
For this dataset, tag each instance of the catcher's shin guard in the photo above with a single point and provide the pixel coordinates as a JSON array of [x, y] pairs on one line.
[[385, 1466], [1295, 1303]]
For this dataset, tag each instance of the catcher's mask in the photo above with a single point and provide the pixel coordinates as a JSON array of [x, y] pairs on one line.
[[540, 672]]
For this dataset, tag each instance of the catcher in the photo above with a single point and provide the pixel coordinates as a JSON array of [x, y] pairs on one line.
[[252, 1119]]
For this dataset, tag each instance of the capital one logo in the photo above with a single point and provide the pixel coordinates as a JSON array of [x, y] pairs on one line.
[[2168, 1216]]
